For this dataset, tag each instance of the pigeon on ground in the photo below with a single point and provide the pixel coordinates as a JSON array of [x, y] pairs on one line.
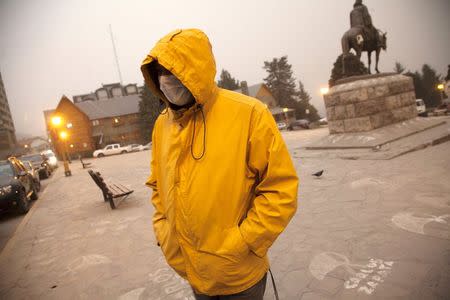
[[318, 174]]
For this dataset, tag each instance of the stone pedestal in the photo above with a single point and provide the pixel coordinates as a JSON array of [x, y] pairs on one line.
[[370, 102]]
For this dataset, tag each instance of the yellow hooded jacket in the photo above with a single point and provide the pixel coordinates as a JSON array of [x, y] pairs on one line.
[[216, 215]]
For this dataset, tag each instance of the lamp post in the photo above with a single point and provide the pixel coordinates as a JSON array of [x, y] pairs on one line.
[[61, 136], [440, 88], [285, 111], [324, 90]]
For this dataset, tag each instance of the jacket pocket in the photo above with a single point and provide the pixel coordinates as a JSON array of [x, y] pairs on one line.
[[227, 243], [221, 255], [170, 247]]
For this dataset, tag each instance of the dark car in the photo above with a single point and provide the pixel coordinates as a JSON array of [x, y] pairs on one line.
[[40, 163], [16, 186], [299, 124], [37, 181]]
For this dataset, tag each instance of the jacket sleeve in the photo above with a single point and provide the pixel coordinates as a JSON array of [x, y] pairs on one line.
[[159, 217], [275, 199]]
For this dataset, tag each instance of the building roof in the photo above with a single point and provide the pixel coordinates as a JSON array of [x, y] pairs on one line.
[[252, 90], [109, 108]]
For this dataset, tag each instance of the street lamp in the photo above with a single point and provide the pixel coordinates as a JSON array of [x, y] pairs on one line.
[[286, 117], [440, 88], [61, 136], [56, 121], [324, 90]]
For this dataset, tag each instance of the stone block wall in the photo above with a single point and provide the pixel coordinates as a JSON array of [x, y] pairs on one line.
[[367, 104]]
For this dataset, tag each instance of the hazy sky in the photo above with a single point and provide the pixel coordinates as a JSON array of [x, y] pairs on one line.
[[51, 47]]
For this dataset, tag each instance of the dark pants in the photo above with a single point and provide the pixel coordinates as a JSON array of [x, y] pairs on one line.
[[256, 292]]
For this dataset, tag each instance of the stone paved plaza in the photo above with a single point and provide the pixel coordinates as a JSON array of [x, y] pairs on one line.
[[368, 229]]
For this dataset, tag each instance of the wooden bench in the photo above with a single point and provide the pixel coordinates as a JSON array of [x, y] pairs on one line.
[[110, 190], [84, 164]]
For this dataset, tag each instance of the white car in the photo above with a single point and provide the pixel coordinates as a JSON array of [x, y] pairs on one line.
[[111, 150], [147, 146], [51, 157], [282, 126], [421, 108], [136, 147]]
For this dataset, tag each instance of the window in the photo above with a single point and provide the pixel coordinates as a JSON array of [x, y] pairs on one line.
[[102, 94], [6, 170], [109, 147], [131, 89], [15, 167], [116, 121], [88, 98], [95, 122], [116, 92], [28, 166]]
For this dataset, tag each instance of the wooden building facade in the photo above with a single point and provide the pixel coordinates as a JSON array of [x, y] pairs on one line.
[[77, 126], [92, 124]]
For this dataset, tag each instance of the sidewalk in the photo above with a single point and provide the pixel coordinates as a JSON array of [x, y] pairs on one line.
[[365, 230], [75, 247]]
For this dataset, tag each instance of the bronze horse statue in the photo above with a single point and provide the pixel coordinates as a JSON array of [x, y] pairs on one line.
[[355, 39]]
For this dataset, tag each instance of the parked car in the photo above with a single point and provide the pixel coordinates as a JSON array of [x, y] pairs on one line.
[[136, 147], [299, 124], [445, 107], [421, 108], [111, 150], [323, 121], [37, 181], [282, 126], [51, 159], [16, 186], [40, 163], [147, 146]]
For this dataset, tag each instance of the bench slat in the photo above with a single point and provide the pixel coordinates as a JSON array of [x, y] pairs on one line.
[[121, 188], [110, 190]]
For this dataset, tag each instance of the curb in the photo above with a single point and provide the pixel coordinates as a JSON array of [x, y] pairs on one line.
[[12, 240], [384, 142], [435, 142]]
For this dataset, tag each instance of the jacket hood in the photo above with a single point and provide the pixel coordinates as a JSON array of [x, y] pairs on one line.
[[188, 55]]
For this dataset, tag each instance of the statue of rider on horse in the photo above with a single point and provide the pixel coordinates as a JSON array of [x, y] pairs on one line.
[[363, 36]]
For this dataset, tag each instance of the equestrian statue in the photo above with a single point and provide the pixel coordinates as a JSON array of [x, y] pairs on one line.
[[362, 36]]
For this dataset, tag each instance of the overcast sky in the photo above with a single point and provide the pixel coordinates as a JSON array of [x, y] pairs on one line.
[[50, 47]]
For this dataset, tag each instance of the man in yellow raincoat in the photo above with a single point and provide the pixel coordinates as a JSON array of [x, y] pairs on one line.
[[224, 186]]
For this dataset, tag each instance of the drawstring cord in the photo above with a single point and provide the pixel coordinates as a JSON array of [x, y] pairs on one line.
[[165, 110], [274, 285], [199, 107]]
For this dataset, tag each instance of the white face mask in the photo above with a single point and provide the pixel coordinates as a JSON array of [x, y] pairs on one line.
[[174, 90]]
